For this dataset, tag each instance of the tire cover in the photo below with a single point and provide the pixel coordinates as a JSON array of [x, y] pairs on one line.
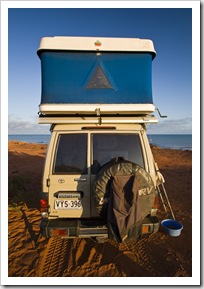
[[102, 184]]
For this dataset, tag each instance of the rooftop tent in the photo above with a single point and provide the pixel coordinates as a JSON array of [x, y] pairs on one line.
[[82, 74]]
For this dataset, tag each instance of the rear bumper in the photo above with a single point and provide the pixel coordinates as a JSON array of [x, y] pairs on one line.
[[71, 228], [83, 228]]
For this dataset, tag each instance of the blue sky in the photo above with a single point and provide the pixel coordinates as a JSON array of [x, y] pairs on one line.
[[169, 28]]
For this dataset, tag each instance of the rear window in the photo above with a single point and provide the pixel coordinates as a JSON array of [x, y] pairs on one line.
[[109, 146], [71, 154]]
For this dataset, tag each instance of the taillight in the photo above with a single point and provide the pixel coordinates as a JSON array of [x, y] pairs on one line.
[[156, 201], [43, 205], [155, 206]]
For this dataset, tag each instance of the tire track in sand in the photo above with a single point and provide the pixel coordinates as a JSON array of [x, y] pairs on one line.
[[54, 258]]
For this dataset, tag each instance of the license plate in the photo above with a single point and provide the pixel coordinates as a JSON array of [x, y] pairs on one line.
[[68, 205]]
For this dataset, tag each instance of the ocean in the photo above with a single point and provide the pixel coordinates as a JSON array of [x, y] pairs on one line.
[[173, 141]]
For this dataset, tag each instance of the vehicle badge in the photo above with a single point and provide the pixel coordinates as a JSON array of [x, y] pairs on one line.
[[61, 181], [97, 43]]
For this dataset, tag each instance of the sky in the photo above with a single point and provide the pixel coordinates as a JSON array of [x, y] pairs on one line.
[[170, 29]]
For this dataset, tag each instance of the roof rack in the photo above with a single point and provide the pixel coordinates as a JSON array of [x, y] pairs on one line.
[[83, 119]]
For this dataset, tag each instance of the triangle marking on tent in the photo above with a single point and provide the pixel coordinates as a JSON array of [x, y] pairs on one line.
[[98, 80]]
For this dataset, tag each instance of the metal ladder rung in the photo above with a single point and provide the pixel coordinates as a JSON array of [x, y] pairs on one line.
[[166, 204]]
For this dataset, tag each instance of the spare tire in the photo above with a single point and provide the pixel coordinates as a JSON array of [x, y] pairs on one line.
[[121, 167]]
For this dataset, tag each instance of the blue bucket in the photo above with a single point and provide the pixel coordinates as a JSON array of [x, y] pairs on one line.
[[172, 227]]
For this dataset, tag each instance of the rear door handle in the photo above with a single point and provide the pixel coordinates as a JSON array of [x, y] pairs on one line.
[[80, 180]]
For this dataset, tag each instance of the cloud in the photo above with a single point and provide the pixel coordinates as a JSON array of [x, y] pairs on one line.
[[173, 126], [18, 126]]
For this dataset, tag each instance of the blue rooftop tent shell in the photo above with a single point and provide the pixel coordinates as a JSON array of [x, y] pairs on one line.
[[96, 72]]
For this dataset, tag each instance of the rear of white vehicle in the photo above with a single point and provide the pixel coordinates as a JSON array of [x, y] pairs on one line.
[[99, 177], [74, 158]]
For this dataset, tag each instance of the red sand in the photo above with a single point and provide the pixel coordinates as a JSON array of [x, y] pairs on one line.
[[155, 255]]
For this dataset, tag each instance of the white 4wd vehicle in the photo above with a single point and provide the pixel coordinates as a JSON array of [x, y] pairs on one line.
[[100, 179], [74, 191]]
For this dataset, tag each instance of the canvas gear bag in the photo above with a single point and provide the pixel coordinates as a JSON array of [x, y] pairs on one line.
[[124, 213], [124, 195]]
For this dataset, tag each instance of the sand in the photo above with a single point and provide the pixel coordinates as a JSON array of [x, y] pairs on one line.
[[156, 255]]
